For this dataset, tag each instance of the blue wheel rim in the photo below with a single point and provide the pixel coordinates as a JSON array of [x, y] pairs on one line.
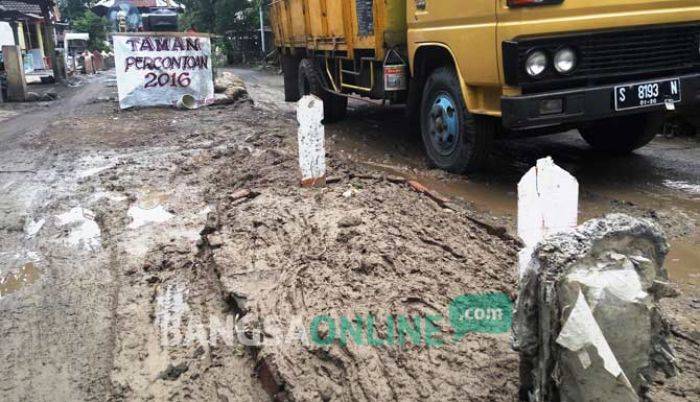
[[443, 124]]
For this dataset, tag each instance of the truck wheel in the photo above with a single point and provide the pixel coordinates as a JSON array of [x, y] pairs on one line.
[[455, 140], [619, 135], [290, 69], [311, 83]]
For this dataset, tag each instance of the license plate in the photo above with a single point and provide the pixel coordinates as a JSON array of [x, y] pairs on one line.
[[646, 94]]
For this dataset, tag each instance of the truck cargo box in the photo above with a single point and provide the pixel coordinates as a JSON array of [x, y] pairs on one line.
[[339, 25]]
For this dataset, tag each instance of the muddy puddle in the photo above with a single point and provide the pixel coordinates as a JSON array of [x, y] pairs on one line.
[[497, 199], [150, 199], [650, 198], [7, 114], [141, 216], [13, 282], [683, 261]]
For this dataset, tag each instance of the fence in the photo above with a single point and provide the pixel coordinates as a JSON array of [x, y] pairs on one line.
[[242, 47]]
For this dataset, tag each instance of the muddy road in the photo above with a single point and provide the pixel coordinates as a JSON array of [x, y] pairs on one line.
[[144, 254]]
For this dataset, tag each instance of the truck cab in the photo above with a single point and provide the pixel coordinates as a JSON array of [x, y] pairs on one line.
[[477, 69]]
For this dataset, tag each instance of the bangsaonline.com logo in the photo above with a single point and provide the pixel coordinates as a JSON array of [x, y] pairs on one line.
[[478, 313]]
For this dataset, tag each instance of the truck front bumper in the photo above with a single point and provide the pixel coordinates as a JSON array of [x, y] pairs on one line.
[[581, 105]]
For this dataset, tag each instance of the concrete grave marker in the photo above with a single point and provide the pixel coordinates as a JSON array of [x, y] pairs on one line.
[[312, 152], [547, 203], [587, 322]]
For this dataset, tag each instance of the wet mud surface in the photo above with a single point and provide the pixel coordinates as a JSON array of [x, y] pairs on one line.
[[369, 247], [141, 249]]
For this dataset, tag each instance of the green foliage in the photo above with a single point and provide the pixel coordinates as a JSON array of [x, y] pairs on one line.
[[96, 26], [81, 19], [71, 9], [219, 16]]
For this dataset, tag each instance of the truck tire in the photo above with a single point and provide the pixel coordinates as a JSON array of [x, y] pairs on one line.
[[290, 69], [454, 139], [619, 135], [311, 83]]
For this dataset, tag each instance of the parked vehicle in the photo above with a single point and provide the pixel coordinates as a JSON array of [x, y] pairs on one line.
[[471, 70]]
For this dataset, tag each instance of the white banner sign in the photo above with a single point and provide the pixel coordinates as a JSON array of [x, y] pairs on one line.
[[158, 68]]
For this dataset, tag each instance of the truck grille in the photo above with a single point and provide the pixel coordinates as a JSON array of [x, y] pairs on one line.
[[610, 55], [668, 48]]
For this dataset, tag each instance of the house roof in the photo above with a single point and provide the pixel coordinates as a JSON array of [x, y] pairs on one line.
[[21, 7], [22, 10], [141, 3], [144, 3]]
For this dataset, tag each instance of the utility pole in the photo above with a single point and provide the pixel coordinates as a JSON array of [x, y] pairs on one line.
[[49, 40], [262, 30]]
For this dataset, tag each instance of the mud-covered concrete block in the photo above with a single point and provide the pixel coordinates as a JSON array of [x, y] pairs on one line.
[[587, 322], [229, 84]]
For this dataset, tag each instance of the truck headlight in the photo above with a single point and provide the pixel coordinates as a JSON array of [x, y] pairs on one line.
[[536, 63], [565, 60]]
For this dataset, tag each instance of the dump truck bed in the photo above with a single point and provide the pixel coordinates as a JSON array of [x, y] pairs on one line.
[[339, 25]]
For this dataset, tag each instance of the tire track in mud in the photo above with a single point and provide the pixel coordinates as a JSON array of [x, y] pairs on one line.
[[168, 293], [60, 323], [164, 270], [85, 329], [56, 328]]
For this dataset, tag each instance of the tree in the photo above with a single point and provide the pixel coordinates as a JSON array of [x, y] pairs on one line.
[[219, 16], [72, 9], [96, 26], [81, 19]]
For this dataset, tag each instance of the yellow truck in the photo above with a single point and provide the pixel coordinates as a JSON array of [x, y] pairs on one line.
[[472, 70]]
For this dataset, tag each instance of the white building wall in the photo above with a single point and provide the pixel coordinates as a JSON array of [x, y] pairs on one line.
[[6, 36]]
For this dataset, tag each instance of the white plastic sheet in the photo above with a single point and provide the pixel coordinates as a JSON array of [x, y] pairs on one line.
[[158, 68], [581, 331]]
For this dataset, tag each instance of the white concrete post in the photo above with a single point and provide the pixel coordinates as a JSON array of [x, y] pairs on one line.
[[16, 82], [312, 152], [547, 203]]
